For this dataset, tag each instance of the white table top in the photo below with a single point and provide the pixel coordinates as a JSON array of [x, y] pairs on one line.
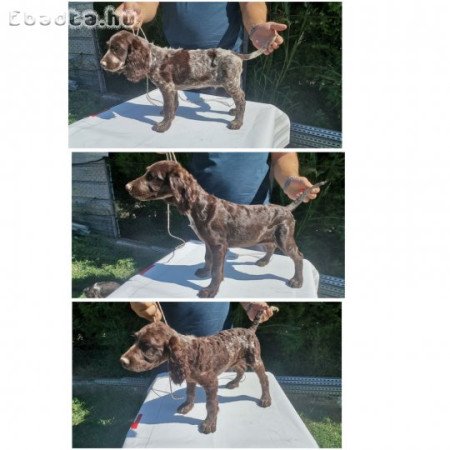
[[241, 423], [201, 122], [173, 277]]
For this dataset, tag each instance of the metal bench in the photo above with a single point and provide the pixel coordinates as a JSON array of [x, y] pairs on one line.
[[331, 287], [305, 136]]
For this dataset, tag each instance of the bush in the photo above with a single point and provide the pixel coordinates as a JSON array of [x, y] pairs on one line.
[[302, 339], [303, 77]]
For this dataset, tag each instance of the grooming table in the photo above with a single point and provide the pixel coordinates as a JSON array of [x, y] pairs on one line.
[[241, 423], [173, 276], [201, 122]]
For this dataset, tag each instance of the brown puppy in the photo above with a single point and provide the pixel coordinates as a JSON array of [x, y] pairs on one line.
[[221, 224], [173, 69], [199, 361]]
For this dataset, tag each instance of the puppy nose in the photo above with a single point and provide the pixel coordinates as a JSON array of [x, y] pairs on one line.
[[129, 187], [125, 361]]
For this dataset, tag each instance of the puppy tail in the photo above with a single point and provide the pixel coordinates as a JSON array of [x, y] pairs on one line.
[[257, 319], [253, 55], [303, 195]]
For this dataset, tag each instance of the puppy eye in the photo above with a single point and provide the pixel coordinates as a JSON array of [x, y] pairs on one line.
[[144, 346]]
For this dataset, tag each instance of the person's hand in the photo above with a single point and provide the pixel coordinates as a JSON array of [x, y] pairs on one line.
[[265, 35], [131, 14], [253, 308], [295, 187], [147, 310]]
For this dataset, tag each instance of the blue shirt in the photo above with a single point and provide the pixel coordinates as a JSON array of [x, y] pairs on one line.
[[193, 25], [197, 318], [238, 177]]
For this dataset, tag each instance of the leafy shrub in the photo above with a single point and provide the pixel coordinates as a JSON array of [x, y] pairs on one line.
[[302, 339]]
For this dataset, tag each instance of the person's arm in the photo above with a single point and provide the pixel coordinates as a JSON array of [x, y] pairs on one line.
[[286, 170], [261, 32], [134, 14], [252, 308]]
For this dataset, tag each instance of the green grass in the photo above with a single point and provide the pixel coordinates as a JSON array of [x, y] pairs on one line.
[[327, 433], [102, 415], [108, 413], [97, 258], [79, 411], [84, 103]]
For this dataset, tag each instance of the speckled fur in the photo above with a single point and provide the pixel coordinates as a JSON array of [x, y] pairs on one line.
[[199, 361], [174, 69], [221, 224]]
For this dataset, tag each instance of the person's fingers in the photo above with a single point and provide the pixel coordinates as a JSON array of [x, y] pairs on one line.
[[277, 26], [119, 10], [278, 40], [274, 46]]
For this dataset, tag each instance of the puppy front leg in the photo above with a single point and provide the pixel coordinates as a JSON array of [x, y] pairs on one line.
[[205, 271], [212, 408], [218, 260], [185, 407], [170, 97]]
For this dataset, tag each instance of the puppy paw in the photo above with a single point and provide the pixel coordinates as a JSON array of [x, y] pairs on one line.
[[185, 408], [203, 273], [207, 293], [262, 262], [207, 427], [232, 385], [161, 127], [265, 402], [235, 124], [294, 283]]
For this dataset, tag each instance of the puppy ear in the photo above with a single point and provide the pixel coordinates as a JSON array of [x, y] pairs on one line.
[[138, 60], [178, 365], [182, 191]]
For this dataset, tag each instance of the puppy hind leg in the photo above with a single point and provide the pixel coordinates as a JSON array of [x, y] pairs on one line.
[[260, 370], [270, 249], [286, 243], [240, 370], [238, 96]]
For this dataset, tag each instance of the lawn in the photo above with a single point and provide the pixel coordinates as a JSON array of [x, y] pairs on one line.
[[101, 415], [84, 103], [98, 258]]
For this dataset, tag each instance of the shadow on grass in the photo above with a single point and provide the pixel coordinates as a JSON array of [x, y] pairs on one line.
[[96, 258], [111, 410]]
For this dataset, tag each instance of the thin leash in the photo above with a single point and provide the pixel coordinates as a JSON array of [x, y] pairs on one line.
[[158, 304], [171, 157]]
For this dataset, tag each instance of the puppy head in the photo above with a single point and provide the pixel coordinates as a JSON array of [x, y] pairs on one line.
[[128, 54], [165, 180], [150, 350]]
